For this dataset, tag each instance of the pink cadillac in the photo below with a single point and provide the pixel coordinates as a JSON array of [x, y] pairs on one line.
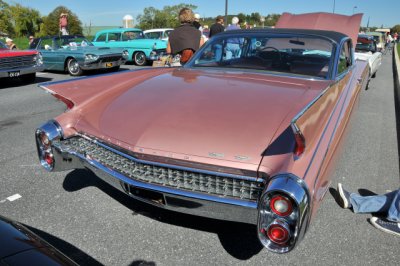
[[247, 131]]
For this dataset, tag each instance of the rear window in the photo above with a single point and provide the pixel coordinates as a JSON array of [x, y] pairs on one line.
[[300, 55]]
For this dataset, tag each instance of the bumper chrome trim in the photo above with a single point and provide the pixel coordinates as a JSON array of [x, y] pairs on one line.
[[22, 71], [176, 200]]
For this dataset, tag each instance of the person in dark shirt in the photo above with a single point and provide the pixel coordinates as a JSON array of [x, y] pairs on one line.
[[185, 39], [217, 27]]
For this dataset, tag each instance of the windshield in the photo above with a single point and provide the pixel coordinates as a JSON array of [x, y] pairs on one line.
[[301, 55], [365, 44], [71, 41]]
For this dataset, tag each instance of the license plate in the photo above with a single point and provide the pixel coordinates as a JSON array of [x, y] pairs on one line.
[[13, 74], [109, 64]]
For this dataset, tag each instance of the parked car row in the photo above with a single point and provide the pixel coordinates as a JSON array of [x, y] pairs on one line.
[[367, 50]]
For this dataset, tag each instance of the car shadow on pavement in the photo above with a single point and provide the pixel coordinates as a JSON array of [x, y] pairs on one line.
[[10, 83], [72, 252], [238, 239]]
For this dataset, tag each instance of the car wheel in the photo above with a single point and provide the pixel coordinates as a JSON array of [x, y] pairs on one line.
[[73, 67], [139, 58], [28, 78]]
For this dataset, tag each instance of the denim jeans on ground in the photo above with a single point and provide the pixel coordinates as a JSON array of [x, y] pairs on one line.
[[387, 204]]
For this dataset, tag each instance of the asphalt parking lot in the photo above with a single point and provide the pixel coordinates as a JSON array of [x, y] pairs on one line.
[[96, 225]]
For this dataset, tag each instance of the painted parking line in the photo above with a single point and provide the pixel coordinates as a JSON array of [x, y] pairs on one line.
[[11, 198], [14, 197]]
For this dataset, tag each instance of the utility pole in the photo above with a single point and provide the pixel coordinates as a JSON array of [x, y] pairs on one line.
[[334, 2], [226, 13]]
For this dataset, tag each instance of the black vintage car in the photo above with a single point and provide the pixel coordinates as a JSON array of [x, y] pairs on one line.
[[20, 246]]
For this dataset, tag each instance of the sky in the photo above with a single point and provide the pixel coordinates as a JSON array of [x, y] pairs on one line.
[[110, 13]]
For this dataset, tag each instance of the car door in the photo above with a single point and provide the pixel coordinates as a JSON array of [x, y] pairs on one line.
[[348, 80], [47, 49], [101, 39]]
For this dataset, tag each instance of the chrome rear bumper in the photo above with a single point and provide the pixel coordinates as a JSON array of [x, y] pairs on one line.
[[168, 198]]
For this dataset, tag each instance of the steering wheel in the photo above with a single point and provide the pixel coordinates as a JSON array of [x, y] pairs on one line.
[[270, 48]]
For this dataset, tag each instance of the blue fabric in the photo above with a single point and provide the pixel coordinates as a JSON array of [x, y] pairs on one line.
[[232, 50], [387, 204]]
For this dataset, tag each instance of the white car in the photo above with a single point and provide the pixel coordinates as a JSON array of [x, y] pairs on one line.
[[161, 34], [366, 50]]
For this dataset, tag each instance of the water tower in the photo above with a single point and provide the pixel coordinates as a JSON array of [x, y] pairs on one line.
[[127, 21]]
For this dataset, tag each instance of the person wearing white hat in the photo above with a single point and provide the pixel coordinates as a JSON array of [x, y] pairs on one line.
[[10, 44], [233, 44], [196, 22]]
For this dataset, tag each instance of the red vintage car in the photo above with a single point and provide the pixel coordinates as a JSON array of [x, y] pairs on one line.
[[246, 131], [20, 64]]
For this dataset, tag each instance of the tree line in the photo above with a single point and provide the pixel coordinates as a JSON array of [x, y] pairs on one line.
[[17, 21], [168, 18]]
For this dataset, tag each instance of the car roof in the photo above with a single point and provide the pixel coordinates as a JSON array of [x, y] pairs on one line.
[[332, 35], [161, 29], [365, 36], [373, 33], [118, 30]]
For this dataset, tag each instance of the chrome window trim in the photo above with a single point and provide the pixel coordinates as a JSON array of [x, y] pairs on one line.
[[329, 75]]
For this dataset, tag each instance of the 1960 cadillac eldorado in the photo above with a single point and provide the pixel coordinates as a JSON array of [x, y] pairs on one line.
[[247, 134]]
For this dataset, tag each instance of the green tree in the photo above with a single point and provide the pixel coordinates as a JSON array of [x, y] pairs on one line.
[[395, 28], [26, 20], [165, 18], [5, 19], [271, 19], [51, 22]]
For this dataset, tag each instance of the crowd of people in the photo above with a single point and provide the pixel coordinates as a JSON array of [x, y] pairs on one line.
[[191, 35]]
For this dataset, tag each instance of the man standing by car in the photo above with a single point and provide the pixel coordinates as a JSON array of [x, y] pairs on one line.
[[217, 27]]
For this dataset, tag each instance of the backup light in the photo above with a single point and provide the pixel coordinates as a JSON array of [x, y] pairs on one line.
[[281, 205], [44, 139]]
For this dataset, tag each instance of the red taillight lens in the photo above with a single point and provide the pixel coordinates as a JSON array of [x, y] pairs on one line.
[[48, 158], [281, 205], [278, 234], [300, 144]]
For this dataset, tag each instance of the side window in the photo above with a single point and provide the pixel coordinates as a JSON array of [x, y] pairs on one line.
[[345, 57], [46, 44], [114, 36], [102, 37], [153, 35]]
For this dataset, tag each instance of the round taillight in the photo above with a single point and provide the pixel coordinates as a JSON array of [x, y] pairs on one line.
[[281, 205], [48, 158], [44, 140], [278, 234]]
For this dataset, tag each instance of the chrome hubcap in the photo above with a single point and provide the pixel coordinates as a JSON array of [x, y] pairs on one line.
[[73, 66]]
